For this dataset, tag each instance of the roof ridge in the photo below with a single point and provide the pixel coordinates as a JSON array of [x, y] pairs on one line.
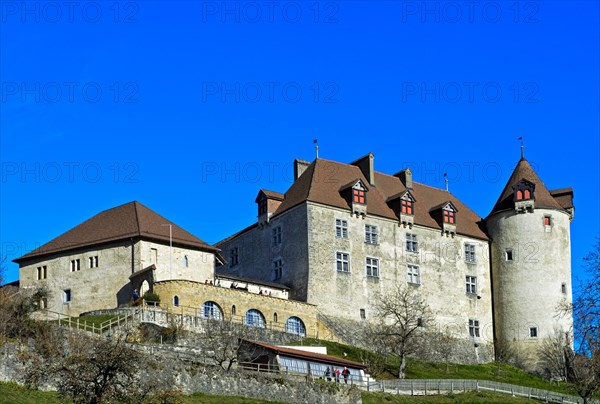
[[137, 218]]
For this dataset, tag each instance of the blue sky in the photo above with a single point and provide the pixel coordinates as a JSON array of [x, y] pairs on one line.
[[191, 107]]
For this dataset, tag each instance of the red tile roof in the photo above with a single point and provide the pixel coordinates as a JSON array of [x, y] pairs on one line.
[[131, 220], [323, 179], [543, 198]]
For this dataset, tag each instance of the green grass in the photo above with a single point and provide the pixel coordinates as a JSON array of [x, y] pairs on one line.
[[201, 398], [416, 369], [12, 393], [87, 322], [472, 397]]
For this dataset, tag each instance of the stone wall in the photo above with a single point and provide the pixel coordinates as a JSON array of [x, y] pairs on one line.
[[440, 259], [104, 286], [256, 252], [528, 289], [192, 378], [276, 311]]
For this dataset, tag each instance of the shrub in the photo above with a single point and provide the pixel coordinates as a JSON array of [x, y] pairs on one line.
[[151, 297]]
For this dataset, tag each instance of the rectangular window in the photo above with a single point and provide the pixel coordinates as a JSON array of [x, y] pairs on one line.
[[470, 253], [563, 288], [363, 314], [508, 254], [277, 235], [471, 284], [371, 234], [406, 207], [277, 269], [473, 327], [67, 296], [372, 265], [449, 216], [413, 274], [93, 262], [533, 332], [342, 261], [262, 207], [42, 272], [358, 196], [234, 257], [341, 228], [412, 244], [547, 221], [75, 265]]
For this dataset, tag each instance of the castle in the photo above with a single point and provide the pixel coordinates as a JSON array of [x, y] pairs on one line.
[[339, 237]]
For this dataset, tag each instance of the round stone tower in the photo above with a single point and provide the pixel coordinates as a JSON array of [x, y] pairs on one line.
[[531, 264]]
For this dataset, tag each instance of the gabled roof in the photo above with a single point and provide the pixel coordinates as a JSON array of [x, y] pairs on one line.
[[322, 180], [131, 220], [524, 171], [269, 194], [306, 355], [444, 205]]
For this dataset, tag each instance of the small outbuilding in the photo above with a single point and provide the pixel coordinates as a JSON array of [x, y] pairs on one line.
[[258, 356]]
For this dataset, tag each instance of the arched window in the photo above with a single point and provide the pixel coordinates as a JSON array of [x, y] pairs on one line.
[[254, 318], [233, 310], [295, 326], [527, 194], [519, 195], [212, 311], [274, 317], [175, 300]]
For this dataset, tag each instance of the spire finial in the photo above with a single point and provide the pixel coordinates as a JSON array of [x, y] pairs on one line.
[[316, 147], [446, 180], [522, 148]]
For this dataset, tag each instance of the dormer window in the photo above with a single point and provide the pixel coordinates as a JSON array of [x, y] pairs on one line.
[[262, 207], [445, 215], [355, 193], [449, 216], [358, 196], [524, 196], [406, 205], [524, 190]]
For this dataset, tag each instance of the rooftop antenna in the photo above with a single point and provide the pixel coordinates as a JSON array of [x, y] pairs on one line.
[[316, 147], [522, 148], [446, 180]]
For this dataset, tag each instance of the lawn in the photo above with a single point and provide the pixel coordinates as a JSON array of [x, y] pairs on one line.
[[12, 393], [472, 397]]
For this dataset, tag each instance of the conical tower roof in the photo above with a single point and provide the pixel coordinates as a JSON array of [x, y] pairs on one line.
[[524, 171]]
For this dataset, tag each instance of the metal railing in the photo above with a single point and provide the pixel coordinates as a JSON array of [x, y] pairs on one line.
[[61, 319], [418, 386]]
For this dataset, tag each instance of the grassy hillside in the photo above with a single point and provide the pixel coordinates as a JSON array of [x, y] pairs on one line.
[[12, 393], [384, 367], [464, 398]]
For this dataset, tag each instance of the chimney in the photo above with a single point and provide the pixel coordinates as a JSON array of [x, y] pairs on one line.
[[299, 167], [366, 165], [406, 177]]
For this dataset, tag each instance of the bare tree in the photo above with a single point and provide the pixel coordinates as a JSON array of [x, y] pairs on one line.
[[583, 365], [221, 340], [552, 356], [399, 325]]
